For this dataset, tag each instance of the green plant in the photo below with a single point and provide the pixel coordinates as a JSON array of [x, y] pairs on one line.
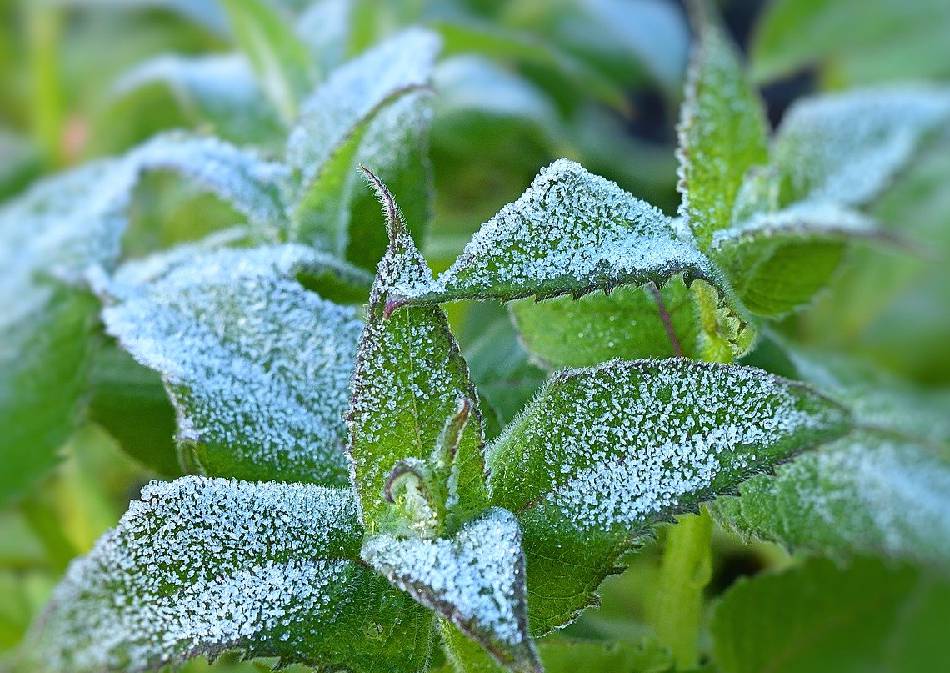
[[355, 500]]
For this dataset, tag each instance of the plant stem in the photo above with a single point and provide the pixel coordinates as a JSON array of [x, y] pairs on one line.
[[43, 23], [685, 570]]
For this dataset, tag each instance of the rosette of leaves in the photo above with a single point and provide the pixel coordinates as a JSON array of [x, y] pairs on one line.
[[430, 536]]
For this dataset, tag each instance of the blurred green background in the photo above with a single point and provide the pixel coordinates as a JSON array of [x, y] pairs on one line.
[[521, 83]]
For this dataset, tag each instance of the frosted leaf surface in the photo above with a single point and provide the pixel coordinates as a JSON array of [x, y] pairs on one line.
[[408, 382], [777, 261], [217, 90], [603, 453], [570, 232], [257, 367], [353, 93], [476, 580], [722, 133], [203, 565], [60, 228], [846, 147], [863, 494]]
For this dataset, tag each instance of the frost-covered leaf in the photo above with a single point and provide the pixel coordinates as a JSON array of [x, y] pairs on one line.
[[61, 228], [257, 366], [777, 261], [476, 580], [216, 91], [279, 58], [819, 617], [324, 145], [845, 148], [866, 493], [413, 403], [570, 232], [603, 453], [633, 322], [205, 565], [722, 133], [324, 26]]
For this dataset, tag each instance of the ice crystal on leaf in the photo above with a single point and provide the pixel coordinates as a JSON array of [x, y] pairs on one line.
[[203, 565], [257, 366], [570, 232], [476, 580], [602, 453]]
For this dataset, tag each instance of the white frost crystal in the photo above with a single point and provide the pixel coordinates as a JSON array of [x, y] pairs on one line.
[[570, 231], [199, 565], [622, 443], [255, 364], [477, 579]]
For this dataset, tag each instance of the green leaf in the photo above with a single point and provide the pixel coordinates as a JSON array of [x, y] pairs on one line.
[[476, 580], [845, 148], [563, 655], [821, 617], [324, 145], [722, 134], [205, 565], [414, 411], [602, 454], [866, 493], [130, 402], [777, 261], [257, 367], [570, 232], [218, 92], [853, 41], [633, 322], [281, 61], [63, 227], [396, 148]]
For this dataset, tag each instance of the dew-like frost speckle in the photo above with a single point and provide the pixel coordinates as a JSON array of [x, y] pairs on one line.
[[200, 565], [571, 231], [477, 579], [619, 445], [257, 366]]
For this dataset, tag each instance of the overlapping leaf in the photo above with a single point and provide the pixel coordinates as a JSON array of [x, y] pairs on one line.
[[204, 565], [217, 91], [863, 494], [63, 227], [257, 366], [325, 144], [845, 148], [412, 399], [603, 453], [476, 580], [722, 133]]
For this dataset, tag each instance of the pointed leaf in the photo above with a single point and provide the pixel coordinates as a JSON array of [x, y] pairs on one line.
[[570, 232], [820, 617], [476, 580], [863, 494], [601, 454], [777, 261], [409, 381], [257, 367], [845, 148], [325, 140], [205, 565], [722, 133], [281, 61]]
